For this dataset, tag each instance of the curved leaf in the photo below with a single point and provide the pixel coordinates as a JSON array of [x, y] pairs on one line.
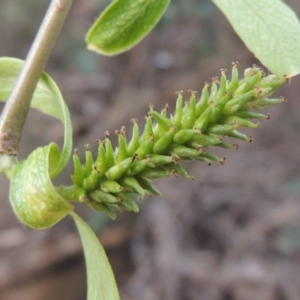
[[270, 29], [32, 194], [123, 24], [101, 280], [47, 98]]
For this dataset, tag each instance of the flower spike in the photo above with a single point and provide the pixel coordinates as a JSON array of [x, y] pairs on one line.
[[116, 179]]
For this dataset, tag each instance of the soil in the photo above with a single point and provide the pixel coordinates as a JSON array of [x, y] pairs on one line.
[[231, 234]]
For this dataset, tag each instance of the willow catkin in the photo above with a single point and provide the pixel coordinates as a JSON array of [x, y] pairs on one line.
[[112, 181]]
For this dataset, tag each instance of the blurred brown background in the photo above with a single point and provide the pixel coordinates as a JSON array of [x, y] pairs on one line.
[[232, 234]]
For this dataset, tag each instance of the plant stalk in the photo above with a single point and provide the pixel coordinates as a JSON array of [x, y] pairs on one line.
[[16, 108]]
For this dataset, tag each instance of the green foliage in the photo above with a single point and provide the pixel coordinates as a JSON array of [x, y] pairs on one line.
[[115, 178], [123, 24], [270, 29], [46, 98], [34, 199], [32, 195], [100, 278]]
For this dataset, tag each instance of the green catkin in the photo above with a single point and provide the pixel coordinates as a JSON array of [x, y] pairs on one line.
[[114, 180]]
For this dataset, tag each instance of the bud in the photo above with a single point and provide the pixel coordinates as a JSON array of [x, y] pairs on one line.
[[100, 162], [135, 140], [189, 115], [147, 185], [119, 169], [164, 141], [101, 196], [78, 176], [111, 186], [127, 202], [131, 183], [137, 166], [101, 207], [91, 182], [184, 135]]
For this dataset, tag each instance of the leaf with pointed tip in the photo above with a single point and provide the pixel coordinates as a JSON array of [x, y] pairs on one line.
[[270, 29], [101, 280], [123, 24]]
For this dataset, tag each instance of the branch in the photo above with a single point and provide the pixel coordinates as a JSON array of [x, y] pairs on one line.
[[16, 108]]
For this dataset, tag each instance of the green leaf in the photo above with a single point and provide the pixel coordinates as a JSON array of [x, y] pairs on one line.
[[47, 98], [32, 194], [270, 29], [101, 281], [123, 24]]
